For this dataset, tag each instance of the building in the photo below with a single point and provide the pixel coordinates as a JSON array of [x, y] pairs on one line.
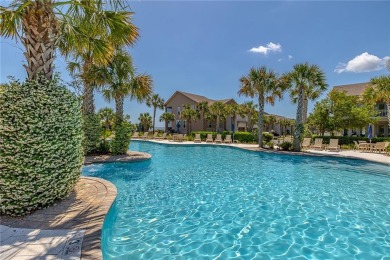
[[381, 127], [175, 105]]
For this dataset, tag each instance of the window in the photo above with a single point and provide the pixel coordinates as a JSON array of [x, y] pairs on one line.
[[184, 123], [168, 109], [192, 106], [178, 111]]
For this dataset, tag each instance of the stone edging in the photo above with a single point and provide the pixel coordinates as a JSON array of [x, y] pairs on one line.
[[131, 156]]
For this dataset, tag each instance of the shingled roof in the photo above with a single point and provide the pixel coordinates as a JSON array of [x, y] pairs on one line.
[[198, 98], [352, 89]]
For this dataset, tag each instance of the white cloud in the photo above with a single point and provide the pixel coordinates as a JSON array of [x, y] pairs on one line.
[[290, 57], [270, 47], [364, 62]]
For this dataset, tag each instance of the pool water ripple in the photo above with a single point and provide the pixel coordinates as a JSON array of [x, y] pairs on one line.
[[218, 202]]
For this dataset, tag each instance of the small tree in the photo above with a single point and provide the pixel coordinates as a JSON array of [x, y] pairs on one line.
[[155, 101], [218, 111], [190, 115], [145, 120], [167, 117]]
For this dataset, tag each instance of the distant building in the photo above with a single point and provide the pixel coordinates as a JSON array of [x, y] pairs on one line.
[[175, 105], [380, 128]]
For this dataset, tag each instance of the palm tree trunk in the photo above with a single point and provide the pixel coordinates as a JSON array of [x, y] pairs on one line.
[[154, 117], [304, 111], [261, 120], [388, 110], [119, 108], [217, 124], [40, 27], [88, 105], [299, 125], [166, 125], [249, 115]]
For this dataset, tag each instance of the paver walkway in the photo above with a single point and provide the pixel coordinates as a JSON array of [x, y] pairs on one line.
[[48, 233]]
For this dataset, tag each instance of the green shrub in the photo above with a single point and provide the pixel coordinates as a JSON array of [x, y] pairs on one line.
[[120, 143], [40, 153], [245, 137], [92, 133], [267, 137], [286, 146]]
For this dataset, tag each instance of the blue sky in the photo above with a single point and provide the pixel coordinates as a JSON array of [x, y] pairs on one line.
[[204, 47]]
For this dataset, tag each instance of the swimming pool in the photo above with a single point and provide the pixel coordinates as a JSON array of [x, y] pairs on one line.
[[206, 202]]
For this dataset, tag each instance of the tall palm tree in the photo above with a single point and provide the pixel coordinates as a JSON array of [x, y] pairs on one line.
[[379, 90], [107, 115], [146, 121], [305, 81], [119, 79], [218, 110], [167, 117], [203, 109], [247, 110], [43, 25], [266, 86], [155, 101]]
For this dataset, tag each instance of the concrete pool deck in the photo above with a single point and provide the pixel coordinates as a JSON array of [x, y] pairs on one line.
[[56, 231]]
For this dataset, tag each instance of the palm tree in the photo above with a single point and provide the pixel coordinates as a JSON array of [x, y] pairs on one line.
[[233, 110], [247, 110], [306, 81], [379, 90], [119, 80], [218, 110], [266, 85], [44, 25], [203, 109], [107, 115], [145, 120], [167, 117], [155, 101], [190, 115]]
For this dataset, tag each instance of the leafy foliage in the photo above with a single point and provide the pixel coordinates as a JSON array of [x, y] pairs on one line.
[[286, 146], [92, 133], [120, 143], [40, 153]]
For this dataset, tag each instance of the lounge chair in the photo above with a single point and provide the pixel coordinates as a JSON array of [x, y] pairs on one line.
[[145, 135], [197, 138], [380, 147], [179, 138], [317, 143], [356, 145], [333, 145], [135, 135], [209, 138], [164, 136], [306, 143], [228, 139], [154, 135], [218, 139]]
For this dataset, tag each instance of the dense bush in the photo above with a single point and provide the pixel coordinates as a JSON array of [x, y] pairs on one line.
[[120, 143], [40, 153], [242, 137], [286, 146], [92, 133]]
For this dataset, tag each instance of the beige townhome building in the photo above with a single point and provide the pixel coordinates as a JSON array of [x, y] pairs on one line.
[[175, 105], [381, 127]]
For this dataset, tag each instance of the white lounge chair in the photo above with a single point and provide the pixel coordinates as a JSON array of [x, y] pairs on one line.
[[228, 139], [197, 138], [306, 143], [209, 138], [218, 139], [333, 145], [317, 144]]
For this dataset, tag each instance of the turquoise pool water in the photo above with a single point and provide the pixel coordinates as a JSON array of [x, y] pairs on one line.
[[210, 202]]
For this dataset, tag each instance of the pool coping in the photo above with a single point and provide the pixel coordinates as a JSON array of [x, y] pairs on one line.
[[348, 154]]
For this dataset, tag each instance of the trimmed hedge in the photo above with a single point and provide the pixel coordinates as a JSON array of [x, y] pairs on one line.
[[120, 143], [40, 153], [92, 132], [243, 137]]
